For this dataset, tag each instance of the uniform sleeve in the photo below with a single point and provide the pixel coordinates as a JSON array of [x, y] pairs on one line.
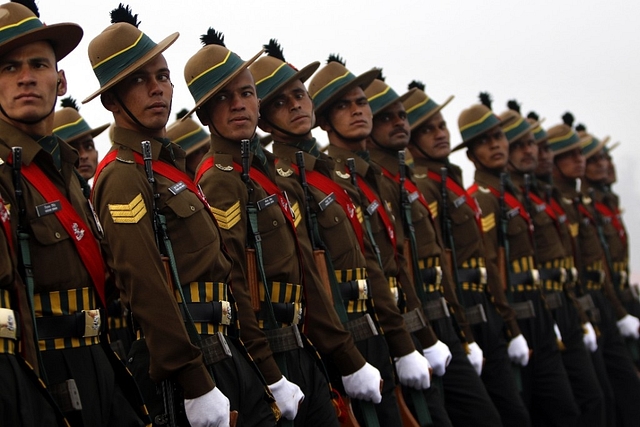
[[490, 223], [124, 203], [229, 207]]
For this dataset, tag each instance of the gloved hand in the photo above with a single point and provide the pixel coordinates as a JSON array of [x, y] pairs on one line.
[[438, 356], [288, 397], [475, 357], [209, 410], [364, 384], [589, 338], [413, 370], [629, 326], [518, 350]]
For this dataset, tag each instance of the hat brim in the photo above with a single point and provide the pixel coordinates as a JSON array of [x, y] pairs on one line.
[[363, 80], [573, 146], [139, 63], [93, 132], [532, 126], [63, 38], [500, 123], [598, 147], [222, 84], [302, 75], [432, 113], [401, 98]]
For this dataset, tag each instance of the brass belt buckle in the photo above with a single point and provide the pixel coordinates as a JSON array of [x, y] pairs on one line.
[[483, 275], [363, 289], [602, 277], [438, 279], [8, 326], [563, 275], [92, 323], [227, 316]]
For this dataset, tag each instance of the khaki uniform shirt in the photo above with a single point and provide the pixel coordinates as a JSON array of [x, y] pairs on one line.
[[131, 251]]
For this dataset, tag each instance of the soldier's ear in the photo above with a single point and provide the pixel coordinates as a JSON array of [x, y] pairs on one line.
[[61, 88]]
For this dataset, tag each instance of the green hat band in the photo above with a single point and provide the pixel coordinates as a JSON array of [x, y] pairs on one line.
[[591, 145], [517, 128], [332, 87], [420, 110], [213, 76], [379, 100], [271, 82], [539, 133], [70, 130], [110, 67], [14, 30], [190, 139], [563, 141], [483, 124]]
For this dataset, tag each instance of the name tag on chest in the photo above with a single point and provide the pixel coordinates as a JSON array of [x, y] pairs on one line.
[[48, 208], [513, 212], [373, 207], [178, 187], [413, 196], [459, 201], [267, 201], [324, 203]]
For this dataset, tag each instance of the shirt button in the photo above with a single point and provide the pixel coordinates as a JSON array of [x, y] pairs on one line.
[[275, 223], [193, 208], [57, 235], [335, 218]]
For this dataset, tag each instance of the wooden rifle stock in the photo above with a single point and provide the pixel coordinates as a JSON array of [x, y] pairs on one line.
[[408, 255], [405, 414], [252, 278], [502, 268], [321, 265]]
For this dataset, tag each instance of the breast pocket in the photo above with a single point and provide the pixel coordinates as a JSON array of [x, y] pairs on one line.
[[278, 247], [189, 225], [334, 229], [464, 226], [519, 239]]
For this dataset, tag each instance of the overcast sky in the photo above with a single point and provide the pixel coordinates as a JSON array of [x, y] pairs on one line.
[[552, 56]]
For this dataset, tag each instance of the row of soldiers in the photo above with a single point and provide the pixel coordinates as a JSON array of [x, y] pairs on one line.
[[295, 287]]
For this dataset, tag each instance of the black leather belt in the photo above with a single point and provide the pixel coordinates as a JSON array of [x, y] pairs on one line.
[[473, 275], [284, 339], [214, 348], [354, 290], [553, 300], [524, 310], [361, 328], [86, 323], [529, 277], [436, 309], [554, 274], [431, 276], [287, 312], [620, 278], [414, 320], [215, 312], [595, 276], [476, 314]]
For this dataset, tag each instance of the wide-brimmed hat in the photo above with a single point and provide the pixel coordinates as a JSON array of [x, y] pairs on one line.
[[539, 133], [478, 119], [212, 68], [272, 73], [121, 49], [188, 134], [592, 145], [380, 95], [19, 25], [517, 126], [419, 106], [334, 80], [69, 125], [562, 138]]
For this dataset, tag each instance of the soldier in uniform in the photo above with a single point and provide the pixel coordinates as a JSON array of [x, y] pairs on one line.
[[545, 386], [342, 110], [466, 399], [286, 295], [602, 303], [192, 138], [152, 209], [287, 113], [480, 288], [55, 225], [554, 257]]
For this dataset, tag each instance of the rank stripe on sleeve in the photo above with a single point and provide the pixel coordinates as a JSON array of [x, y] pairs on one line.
[[129, 213], [227, 218]]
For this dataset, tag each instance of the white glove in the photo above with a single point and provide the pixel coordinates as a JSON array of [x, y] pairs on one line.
[[413, 371], [438, 356], [519, 350], [589, 338], [475, 357], [288, 397], [364, 384], [209, 410], [629, 326]]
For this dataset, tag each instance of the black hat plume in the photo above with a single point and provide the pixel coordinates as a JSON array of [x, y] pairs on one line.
[[69, 102], [30, 4], [417, 84], [124, 14], [533, 116], [513, 105], [485, 99], [212, 37], [274, 50], [334, 57], [180, 114]]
